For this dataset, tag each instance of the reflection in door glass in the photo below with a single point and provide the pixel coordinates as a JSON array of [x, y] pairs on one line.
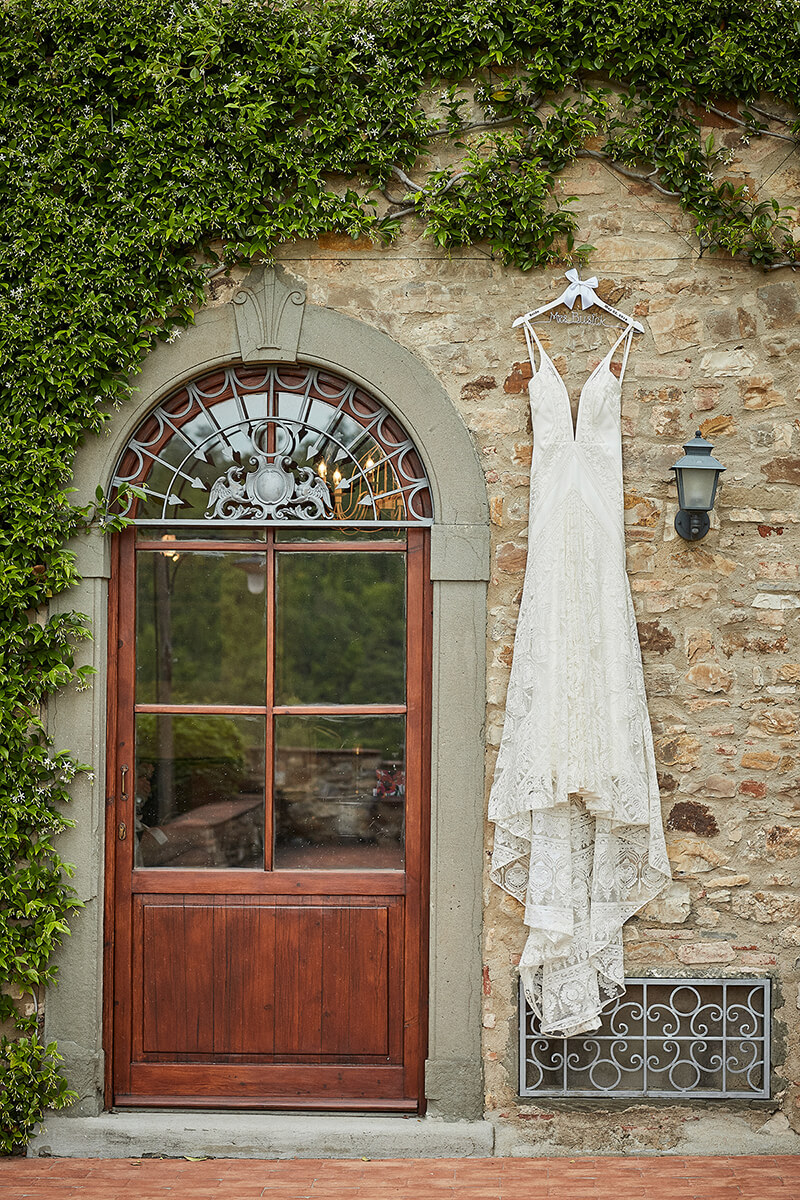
[[199, 791], [339, 791], [200, 627], [340, 628]]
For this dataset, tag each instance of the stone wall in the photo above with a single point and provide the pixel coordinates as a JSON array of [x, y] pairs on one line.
[[718, 619]]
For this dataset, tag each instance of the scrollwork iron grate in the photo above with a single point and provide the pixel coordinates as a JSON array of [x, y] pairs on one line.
[[664, 1037]]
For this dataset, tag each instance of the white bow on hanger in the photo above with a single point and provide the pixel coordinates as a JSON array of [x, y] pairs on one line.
[[579, 287], [585, 289]]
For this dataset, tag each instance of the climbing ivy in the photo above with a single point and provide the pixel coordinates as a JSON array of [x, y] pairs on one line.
[[147, 143]]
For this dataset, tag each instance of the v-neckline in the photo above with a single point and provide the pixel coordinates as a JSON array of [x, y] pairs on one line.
[[575, 426]]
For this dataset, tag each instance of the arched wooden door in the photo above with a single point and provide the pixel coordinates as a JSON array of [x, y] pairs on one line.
[[268, 753]]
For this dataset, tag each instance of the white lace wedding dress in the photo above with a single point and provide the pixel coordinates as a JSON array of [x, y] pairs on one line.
[[575, 804]]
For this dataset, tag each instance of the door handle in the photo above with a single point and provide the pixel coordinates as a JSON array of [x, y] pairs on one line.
[[122, 831]]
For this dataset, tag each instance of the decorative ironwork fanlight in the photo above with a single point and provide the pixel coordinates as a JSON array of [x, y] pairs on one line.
[[273, 443]]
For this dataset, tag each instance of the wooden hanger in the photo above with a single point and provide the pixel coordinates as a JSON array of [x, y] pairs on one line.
[[585, 289]]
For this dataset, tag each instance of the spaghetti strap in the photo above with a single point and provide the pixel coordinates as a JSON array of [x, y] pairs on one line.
[[528, 331], [626, 333]]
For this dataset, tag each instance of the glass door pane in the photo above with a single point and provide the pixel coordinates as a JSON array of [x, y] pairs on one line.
[[340, 630], [200, 627], [339, 791], [243, 660], [199, 786]]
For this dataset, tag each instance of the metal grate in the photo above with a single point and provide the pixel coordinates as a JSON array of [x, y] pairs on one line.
[[663, 1037]]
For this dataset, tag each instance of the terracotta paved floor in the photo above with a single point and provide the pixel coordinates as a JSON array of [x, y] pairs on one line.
[[761, 1178]]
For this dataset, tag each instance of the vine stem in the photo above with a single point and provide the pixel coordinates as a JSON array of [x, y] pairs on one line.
[[401, 175], [784, 137], [640, 176], [420, 190], [769, 115], [442, 130]]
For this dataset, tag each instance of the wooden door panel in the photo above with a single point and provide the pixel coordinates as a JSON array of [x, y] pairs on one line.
[[220, 1085], [355, 981], [222, 976], [298, 982], [244, 950], [177, 972]]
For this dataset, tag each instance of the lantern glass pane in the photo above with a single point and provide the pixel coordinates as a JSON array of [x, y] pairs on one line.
[[698, 488]]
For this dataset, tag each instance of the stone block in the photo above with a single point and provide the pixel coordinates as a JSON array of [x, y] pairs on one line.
[[727, 364], [654, 637], [709, 677], [706, 917], [753, 787], [477, 388], [676, 328], [643, 511], [758, 394], [517, 381], [783, 841], [760, 645], [779, 304], [692, 953], [689, 816], [699, 644], [719, 785], [775, 601], [693, 856], [511, 558], [640, 559], [765, 908], [699, 559], [782, 470], [693, 596], [662, 680], [777, 571], [715, 426], [656, 368], [683, 749], [773, 722], [672, 907], [722, 324], [746, 322], [496, 421], [667, 422]]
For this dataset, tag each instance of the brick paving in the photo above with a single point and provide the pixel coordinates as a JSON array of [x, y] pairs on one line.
[[759, 1178]]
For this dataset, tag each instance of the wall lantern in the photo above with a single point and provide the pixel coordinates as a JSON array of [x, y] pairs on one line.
[[696, 475]]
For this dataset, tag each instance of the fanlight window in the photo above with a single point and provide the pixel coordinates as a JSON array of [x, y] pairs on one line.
[[273, 443]]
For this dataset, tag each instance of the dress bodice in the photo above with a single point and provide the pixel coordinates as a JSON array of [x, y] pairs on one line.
[[586, 460], [598, 418]]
